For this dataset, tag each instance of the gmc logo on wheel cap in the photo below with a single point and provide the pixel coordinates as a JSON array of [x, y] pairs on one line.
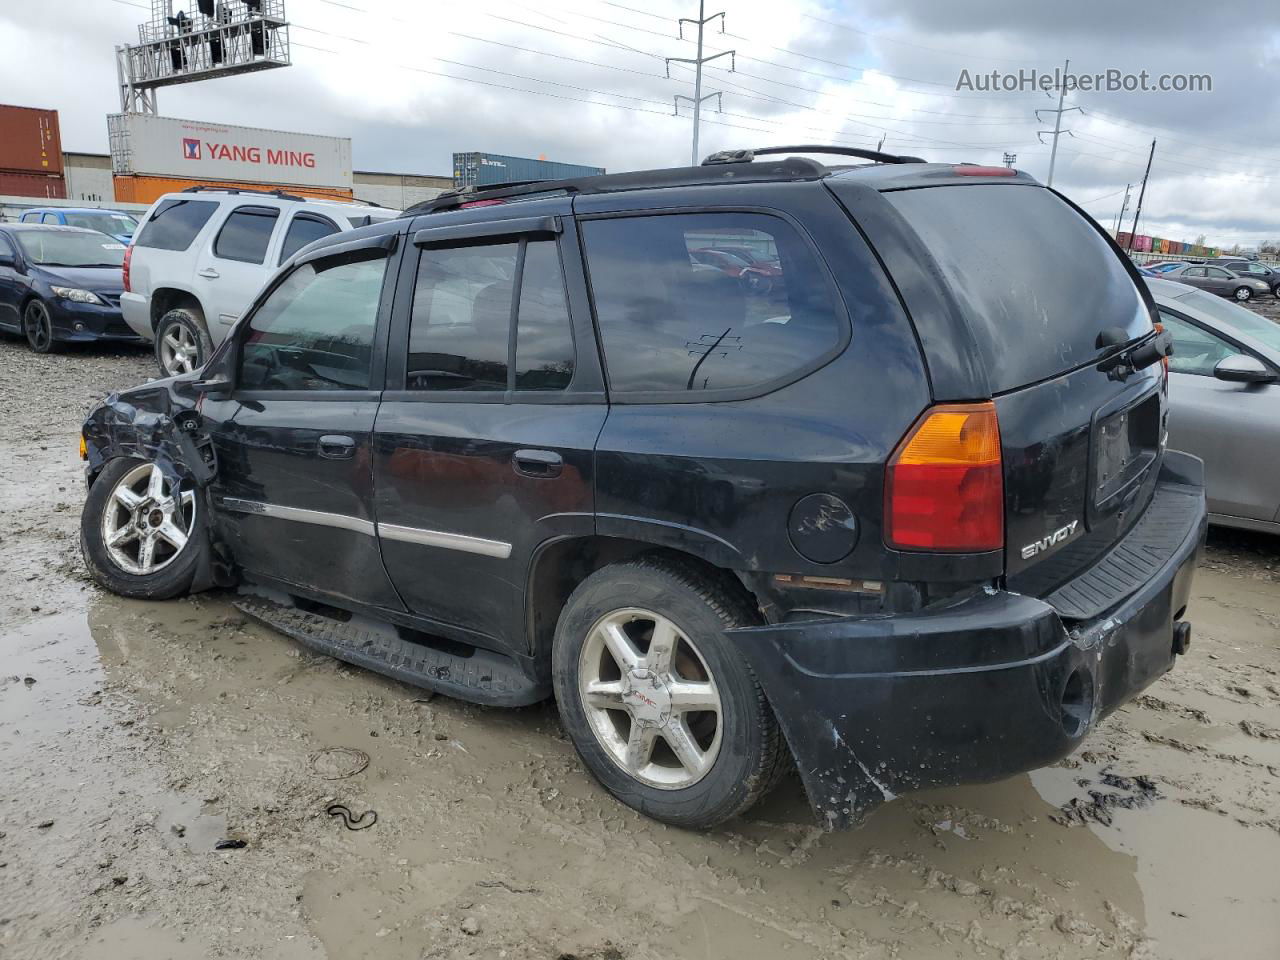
[[190, 148]]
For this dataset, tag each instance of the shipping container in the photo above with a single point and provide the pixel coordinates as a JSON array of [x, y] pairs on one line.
[[148, 189], [143, 145], [486, 169], [46, 186], [1142, 243], [1123, 237], [29, 140]]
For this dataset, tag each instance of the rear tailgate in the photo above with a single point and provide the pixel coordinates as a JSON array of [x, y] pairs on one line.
[[1035, 284]]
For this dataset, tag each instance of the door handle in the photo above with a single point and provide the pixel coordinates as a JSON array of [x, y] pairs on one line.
[[333, 447], [539, 464], [208, 273]]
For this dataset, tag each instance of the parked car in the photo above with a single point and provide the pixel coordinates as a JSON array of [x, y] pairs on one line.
[[60, 284], [1224, 401], [1165, 266], [756, 277], [1218, 280], [906, 529], [116, 224], [1251, 268], [202, 254]]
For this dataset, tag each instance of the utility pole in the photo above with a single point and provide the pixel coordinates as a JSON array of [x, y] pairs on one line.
[[1123, 207], [697, 62], [1057, 130], [1142, 193]]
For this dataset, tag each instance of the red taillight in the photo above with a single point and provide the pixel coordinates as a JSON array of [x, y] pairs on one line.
[[128, 255], [973, 170], [944, 486]]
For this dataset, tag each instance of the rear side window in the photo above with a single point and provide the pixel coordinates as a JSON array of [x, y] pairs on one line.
[[175, 223], [245, 234], [460, 328], [304, 228], [315, 331], [1036, 282], [708, 302]]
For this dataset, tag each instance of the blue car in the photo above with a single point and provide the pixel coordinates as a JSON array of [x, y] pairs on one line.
[[60, 284], [114, 223]]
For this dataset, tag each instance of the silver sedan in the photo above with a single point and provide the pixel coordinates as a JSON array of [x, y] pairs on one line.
[[1224, 396]]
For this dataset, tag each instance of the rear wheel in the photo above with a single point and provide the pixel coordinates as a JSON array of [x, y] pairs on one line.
[[1243, 293], [182, 342], [38, 327], [140, 531], [661, 707]]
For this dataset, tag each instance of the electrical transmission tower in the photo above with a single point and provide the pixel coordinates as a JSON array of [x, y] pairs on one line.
[[1057, 130], [1010, 159], [697, 98]]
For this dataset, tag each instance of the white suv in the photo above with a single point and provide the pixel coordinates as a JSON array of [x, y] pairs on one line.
[[201, 255]]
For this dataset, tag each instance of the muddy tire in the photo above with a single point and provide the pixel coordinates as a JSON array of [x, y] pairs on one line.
[[137, 538], [182, 342], [661, 707]]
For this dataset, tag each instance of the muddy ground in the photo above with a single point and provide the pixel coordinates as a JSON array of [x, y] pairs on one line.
[[136, 736]]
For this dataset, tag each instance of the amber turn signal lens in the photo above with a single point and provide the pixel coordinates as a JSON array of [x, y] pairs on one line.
[[84, 448], [944, 486]]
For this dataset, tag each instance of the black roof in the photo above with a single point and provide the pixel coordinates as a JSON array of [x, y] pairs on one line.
[[728, 166]]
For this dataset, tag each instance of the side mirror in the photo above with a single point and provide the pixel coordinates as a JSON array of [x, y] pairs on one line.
[[1242, 368]]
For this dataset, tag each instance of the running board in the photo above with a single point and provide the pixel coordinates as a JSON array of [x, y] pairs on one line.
[[484, 677]]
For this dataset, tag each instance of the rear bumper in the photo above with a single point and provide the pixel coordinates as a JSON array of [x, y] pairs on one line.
[[137, 314], [976, 690]]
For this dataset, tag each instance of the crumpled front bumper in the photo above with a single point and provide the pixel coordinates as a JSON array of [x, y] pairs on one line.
[[976, 690]]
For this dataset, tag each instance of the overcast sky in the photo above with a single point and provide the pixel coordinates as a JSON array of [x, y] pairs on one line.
[[412, 81]]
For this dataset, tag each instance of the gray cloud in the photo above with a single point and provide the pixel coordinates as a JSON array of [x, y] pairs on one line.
[[874, 68]]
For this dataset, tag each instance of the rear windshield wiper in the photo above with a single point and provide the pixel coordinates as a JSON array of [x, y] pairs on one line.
[[1124, 357]]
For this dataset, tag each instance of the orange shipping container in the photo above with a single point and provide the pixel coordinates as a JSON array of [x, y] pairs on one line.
[[139, 189], [29, 140]]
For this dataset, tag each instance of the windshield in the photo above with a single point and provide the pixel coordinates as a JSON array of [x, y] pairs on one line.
[[116, 224], [65, 248], [1224, 311]]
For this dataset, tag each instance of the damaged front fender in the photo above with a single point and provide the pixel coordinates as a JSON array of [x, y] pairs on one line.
[[159, 424]]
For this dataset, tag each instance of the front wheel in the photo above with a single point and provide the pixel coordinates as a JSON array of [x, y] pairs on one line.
[[1243, 294], [38, 326], [662, 708], [140, 532]]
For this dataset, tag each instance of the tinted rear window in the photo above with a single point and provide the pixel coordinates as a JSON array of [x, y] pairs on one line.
[[1035, 280], [175, 224], [682, 310]]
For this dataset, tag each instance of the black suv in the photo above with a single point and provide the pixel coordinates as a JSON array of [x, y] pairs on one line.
[[903, 516]]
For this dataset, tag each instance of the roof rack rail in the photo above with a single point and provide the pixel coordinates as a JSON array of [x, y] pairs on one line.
[[746, 156], [497, 191], [787, 168], [278, 194]]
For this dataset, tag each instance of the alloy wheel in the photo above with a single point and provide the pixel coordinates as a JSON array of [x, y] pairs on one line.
[[148, 520], [38, 326], [650, 698], [179, 351]]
